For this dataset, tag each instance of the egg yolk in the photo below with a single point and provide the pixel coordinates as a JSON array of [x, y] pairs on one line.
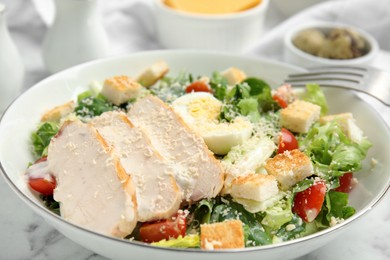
[[205, 108]]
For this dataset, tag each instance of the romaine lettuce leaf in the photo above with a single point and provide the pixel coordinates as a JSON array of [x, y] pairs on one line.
[[189, 241], [335, 208], [331, 151], [292, 229], [225, 209], [41, 138], [248, 98], [89, 106], [278, 215], [249, 107], [315, 95]]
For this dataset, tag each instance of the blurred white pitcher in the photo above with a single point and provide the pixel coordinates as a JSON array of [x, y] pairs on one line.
[[11, 65], [76, 36]]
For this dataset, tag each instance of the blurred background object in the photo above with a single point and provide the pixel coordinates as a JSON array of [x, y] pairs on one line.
[[76, 35], [11, 65], [291, 7], [329, 43], [207, 27]]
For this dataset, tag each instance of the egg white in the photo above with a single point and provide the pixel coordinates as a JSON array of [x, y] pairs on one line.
[[200, 111]]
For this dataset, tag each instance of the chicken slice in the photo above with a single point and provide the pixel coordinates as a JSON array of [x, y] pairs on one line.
[[198, 173], [93, 189], [158, 195]]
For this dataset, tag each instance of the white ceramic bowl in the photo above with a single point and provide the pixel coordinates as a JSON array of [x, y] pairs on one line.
[[224, 32], [294, 55], [22, 117]]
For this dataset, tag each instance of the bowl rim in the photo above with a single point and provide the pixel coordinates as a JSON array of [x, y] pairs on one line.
[[262, 6], [43, 211], [289, 45]]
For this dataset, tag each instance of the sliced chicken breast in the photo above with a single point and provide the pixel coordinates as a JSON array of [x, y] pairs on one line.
[[158, 195], [93, 189], [197, 172]]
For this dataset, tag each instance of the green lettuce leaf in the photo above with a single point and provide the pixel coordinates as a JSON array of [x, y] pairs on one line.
[[331, 151], [189, 241], [278, 215], [292, 229], [201, 213], [335, 208], [41, 138], [89, 106], [315, 95], [337, 204], [225, 209], [249, 107]]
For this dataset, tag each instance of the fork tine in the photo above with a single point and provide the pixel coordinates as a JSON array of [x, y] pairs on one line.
[[339, 68], [326, 83], [329, 77], [319, 73], [371, 81]]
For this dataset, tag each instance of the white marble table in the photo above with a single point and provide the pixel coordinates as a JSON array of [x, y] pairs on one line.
[[24, 235]]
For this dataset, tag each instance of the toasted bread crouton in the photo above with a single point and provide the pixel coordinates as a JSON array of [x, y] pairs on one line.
[[299, 116], [120, 89], [254, 186], [152, 74], [228, 234], [56, 113], [233, 76], [289, 167]]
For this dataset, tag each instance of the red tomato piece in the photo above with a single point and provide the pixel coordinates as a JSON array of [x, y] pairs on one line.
[[43, 182], [346, 184], [287, 141], [282, 103], [164, 229], [308, 203], [198, 86], [42, 185]]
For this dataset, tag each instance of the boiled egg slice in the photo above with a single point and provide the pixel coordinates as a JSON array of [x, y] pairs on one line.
[[200, 111]]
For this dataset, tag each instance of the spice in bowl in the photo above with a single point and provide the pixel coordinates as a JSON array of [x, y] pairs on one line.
[[337, 43]]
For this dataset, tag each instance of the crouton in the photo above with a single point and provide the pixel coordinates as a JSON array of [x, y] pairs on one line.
[[152, 74], [289, 167], [299, 116], [254, 186], [233, 76], [120, 89], [56, 113], [228, 234]]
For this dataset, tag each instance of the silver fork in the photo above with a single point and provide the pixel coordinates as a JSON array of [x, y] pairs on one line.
[[371, 81]]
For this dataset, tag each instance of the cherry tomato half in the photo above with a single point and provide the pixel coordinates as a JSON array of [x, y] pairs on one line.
[[163, 229], [346, 184], [287, 141], [282, 103], [308, 203], [198, 86], [42, 185]]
